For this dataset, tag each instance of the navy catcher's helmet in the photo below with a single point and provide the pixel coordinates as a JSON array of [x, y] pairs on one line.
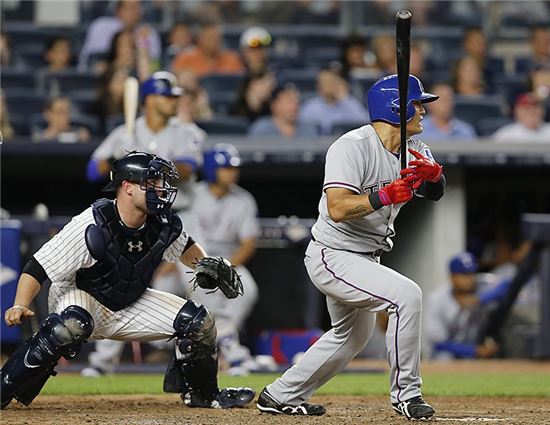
[[383, 98], [156, 176], [220, 155], [161, 82]]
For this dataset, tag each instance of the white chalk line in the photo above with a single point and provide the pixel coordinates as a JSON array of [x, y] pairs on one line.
[[473, 419]]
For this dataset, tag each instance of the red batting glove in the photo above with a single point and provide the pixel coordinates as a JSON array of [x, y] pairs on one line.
[[398, 191], [424, 168]]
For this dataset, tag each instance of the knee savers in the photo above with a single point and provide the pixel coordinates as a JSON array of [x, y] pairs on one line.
[[195, 330], [67, 331], [30, 366]]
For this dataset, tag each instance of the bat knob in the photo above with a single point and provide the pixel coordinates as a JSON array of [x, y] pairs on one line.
[[403, 14]]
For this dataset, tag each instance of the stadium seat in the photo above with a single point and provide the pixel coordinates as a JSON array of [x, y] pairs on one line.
[[304, 79], [320, 57], [67, 82], [221, 102], [474, 109], [225, 125], [510, 87], [32, 56], [37, 122], [113, 122], [20, 124], [24, 102], [17, 79], [84, 100], [314, 39], [221, 83], [343, 127], [487, 126], [27, 35]]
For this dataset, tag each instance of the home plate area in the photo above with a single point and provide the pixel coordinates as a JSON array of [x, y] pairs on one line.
[[167, 409]]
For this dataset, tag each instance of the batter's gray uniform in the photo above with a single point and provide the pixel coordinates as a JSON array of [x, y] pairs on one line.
[[342, 261]]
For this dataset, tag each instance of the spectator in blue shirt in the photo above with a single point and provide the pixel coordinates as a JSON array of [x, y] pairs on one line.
[[283, 121], [333, 105], [439, 123]]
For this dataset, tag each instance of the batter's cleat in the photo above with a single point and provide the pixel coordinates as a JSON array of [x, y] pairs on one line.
[[268, 404], [414, 408], [228, 398]]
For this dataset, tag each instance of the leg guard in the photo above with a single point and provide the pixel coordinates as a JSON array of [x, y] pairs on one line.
[[28, 369], [195, 367]]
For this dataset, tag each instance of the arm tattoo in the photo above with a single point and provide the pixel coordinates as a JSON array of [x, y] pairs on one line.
[[359, 211]]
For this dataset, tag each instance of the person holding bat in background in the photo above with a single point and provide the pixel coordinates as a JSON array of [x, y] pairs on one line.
[[160, 132], [364, 189]]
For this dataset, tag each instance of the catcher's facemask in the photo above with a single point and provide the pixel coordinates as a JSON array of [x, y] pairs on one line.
[[159, 183]]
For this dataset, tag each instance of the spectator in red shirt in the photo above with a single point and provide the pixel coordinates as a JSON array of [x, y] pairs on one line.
[[208, 57]]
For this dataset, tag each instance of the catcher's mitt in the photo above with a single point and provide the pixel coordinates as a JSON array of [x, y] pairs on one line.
[[217, 273]]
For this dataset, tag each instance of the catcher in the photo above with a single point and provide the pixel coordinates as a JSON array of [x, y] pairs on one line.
[[100, 266]]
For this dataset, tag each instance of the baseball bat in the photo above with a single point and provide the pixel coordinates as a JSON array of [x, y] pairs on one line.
[[131, 94], [403, 48]]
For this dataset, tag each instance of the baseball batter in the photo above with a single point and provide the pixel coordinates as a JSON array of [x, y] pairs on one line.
[[363, 192], [100, 266]]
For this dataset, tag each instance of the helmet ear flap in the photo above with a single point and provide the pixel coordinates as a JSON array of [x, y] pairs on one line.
[[410, 111]]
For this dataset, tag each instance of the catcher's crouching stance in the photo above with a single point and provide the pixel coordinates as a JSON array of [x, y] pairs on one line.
[[100, 266]]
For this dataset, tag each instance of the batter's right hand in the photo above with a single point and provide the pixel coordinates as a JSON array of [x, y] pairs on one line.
[[398, 191], [14, 315]]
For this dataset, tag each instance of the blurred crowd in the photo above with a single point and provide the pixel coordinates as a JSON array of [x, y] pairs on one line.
[[283, 69]]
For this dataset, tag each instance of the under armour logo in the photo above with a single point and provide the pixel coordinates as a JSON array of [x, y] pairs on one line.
[[132, 246]]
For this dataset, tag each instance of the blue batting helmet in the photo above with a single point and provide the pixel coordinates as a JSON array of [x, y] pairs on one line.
[[383, 98], [161, 82], [463, 263], [220, 155]]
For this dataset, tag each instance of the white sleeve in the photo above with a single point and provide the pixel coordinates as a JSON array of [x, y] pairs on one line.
[[66, 253], [174, 252], [249, 224], [344, 166]]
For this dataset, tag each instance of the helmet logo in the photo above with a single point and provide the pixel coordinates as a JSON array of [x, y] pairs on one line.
[[138, 246]]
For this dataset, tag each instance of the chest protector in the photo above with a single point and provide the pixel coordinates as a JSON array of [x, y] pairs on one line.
[[126, 258]]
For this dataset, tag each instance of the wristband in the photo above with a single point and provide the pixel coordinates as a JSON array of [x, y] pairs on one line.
[[375, 202]]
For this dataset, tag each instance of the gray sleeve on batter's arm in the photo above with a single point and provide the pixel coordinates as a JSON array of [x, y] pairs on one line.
[[189, 146], [113, 145], [344, 166]]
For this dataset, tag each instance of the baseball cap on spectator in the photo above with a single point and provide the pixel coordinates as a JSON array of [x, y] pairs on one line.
[[255, 37], [463, 263], [527, 99], [163, 83]]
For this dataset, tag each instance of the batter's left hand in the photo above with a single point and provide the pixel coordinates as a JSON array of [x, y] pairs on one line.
[[423, 167]]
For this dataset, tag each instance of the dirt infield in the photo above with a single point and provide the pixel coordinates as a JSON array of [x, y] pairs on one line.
[[166, 409]]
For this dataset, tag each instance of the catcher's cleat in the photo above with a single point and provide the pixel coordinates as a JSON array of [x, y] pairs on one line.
[[267, 404], [227, 398], [414, 408]]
